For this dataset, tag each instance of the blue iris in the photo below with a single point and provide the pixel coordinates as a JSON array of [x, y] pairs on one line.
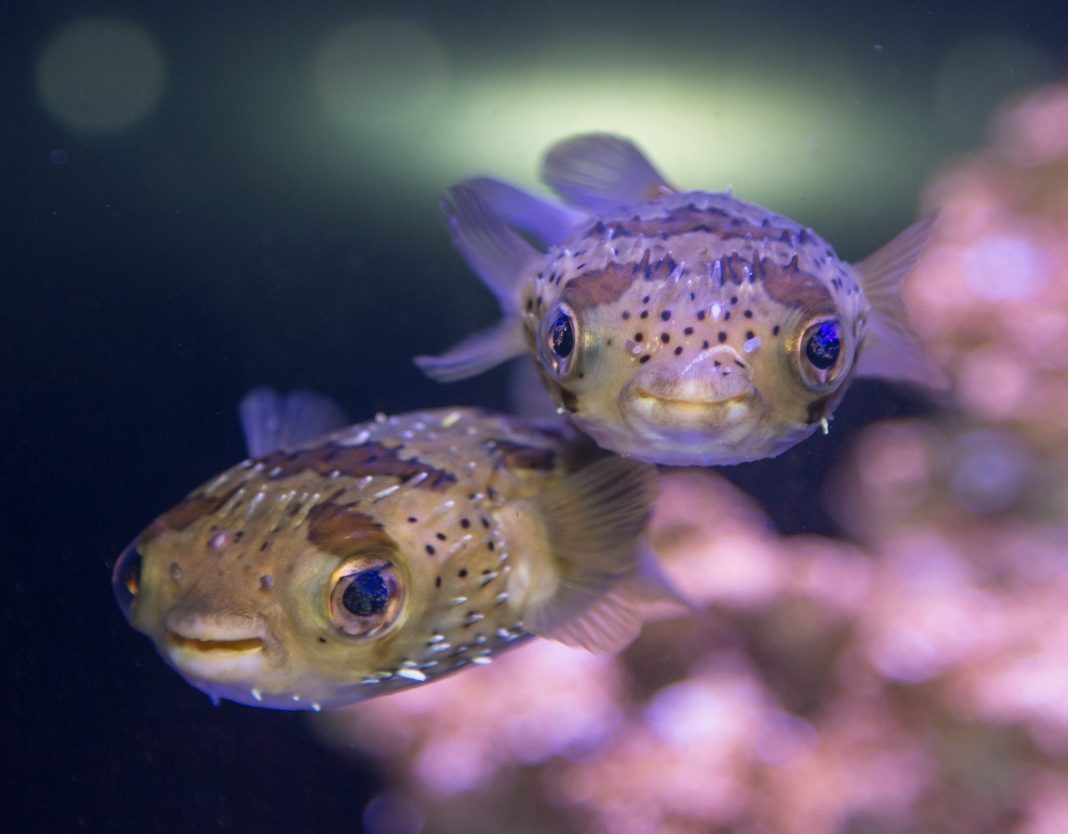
[[367, 594], [824, 344], [562, 335]]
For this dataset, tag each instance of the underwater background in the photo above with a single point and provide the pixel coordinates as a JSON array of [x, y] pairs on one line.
[[202, 198]]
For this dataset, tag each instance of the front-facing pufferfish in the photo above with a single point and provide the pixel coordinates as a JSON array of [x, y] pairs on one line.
[[328, 569], [677, 327]]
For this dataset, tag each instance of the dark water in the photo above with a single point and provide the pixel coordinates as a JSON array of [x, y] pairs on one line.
[[152, 274]]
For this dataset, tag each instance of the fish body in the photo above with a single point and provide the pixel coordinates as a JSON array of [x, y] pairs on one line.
[[386, 555], [684, 328]]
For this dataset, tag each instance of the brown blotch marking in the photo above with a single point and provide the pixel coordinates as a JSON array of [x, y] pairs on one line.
[[791, 287], [519, 456], [602, 286], [189, 510], [355, 462], [689, 219], [344, 531]]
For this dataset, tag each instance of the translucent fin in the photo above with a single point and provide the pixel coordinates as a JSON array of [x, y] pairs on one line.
[[527, 394], [597, 171], [477, 353], [892, 350], [597, 520], [273, 422], [547, 223], [497, 254]]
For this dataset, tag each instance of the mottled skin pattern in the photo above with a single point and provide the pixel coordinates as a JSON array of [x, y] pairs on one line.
[[661, 289], [235, 582]]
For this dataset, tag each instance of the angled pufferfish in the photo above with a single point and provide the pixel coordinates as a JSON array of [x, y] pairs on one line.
[[676, 327], [328, 569]]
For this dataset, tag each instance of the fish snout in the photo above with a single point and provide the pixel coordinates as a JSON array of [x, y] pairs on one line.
[[212, 646], [714, 377]]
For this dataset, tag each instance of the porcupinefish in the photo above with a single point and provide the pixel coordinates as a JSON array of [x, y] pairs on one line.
[[677, 327], [327, 570]]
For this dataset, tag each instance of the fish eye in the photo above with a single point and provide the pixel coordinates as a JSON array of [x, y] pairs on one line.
[[560, 339], [822, 348], [126, 578], [364, 598]]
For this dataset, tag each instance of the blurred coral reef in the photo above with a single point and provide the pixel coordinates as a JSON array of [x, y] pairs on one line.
[[911, 679]]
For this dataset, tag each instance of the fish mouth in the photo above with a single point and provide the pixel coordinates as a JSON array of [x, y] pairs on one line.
[[216, 648], [716, 385]]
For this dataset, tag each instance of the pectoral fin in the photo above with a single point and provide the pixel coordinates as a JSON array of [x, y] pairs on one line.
[[596, 521], [597, 171], [892, 350], [499, 257]]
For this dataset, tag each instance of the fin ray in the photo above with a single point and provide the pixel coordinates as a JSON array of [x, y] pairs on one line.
[[273, 422], [548, 223], [596, 520], [892, 350], [496, 253], [477, 353], [598, 171]]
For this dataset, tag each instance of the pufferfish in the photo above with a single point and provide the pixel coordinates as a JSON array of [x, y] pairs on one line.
[[676, 327], [325, 570]]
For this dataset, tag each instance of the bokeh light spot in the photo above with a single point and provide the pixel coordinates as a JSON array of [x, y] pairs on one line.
[[378, 75], [100, 75]]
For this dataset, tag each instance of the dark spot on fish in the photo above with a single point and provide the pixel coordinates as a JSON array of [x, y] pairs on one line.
[[412, 519], [321, 639], [734, 299], [700, 315], [644, 314], [678, 350], [665, 315], [430, 550], [462, 573], [722, 337], [490, 545], [465, 523], [748, 335], [646, 299], [775, 330], [687, 331], [639, 336], [485, 522], [342, 530], [437, 582], [704, 345], [644, 359], [626, 315], [665, 338], [748, 314], [727, 316], [439, 536]]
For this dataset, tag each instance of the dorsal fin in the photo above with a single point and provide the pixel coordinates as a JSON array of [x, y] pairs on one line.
[[273, 422], [892, 350], [597, 171], [547, 223], [499, 257], [596, 520]]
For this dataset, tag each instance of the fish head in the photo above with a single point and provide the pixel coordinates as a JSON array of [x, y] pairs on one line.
[[276, 613], [693, 378]]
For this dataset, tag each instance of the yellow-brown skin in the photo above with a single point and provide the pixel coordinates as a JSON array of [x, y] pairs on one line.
[[690, 312], [239, 586]]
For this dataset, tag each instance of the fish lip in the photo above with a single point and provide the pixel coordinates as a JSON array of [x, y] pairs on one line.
[[676, 402], [204, 636]]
